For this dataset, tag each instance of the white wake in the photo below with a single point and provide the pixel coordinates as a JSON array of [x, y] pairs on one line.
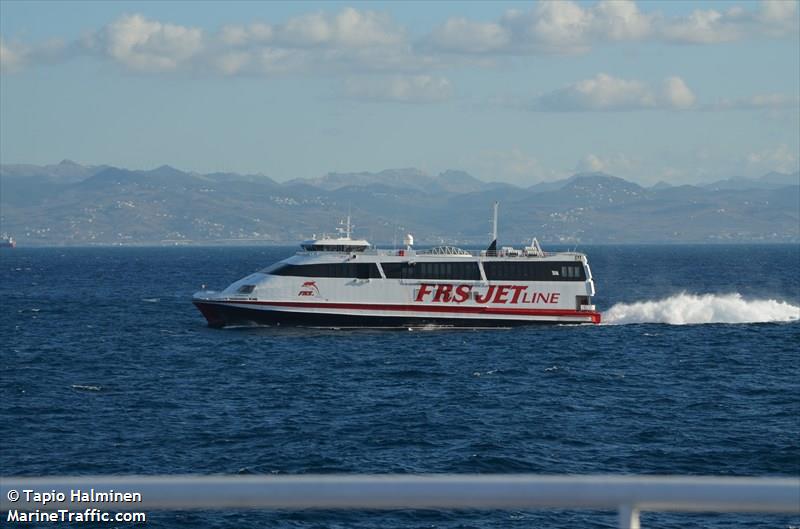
[[687, 309]]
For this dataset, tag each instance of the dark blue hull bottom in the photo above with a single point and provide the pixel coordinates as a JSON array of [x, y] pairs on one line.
[[219, 315]]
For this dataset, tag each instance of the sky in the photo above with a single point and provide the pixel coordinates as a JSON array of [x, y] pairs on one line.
[[521, 92]]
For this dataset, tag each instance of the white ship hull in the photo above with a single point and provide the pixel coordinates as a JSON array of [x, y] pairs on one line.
[[342, 282], [390, 302], [228, 314]]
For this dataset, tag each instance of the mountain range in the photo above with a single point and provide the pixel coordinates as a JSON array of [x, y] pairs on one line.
[[74, 204]]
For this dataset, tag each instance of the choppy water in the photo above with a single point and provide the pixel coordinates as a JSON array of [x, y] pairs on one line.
[[108, 368]]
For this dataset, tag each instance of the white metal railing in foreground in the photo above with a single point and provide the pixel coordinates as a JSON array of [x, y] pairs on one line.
[[626, 494]]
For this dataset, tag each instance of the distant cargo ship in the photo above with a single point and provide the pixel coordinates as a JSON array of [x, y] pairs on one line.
[[7, 241], [341, 281]]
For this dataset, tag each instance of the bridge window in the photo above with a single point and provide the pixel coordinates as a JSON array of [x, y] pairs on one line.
[[343, 270], [533, 271], [455, 271], [333, 248]]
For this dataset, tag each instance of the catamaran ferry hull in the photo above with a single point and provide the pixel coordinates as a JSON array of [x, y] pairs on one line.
[[344, 282], [242, 313]]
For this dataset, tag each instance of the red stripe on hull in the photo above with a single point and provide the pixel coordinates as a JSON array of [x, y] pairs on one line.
[[446, 309]]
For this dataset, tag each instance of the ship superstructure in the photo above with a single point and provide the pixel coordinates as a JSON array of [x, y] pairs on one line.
[[344, 282]]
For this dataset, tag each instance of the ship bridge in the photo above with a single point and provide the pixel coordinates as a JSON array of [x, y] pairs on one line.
[[346, 245], [342, 243]]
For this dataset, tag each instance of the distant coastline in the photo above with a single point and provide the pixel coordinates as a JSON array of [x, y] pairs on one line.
[[69, 204], [293, 247]]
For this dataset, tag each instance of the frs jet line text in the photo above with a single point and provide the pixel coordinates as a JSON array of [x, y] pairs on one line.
[[501, 294]]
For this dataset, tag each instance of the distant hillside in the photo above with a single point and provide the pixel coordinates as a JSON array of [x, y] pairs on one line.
[[64, 172], [406, 179], [771, 180], [71, 204]]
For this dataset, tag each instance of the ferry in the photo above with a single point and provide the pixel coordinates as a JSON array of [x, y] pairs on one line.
[[7, 241], [339, 281]]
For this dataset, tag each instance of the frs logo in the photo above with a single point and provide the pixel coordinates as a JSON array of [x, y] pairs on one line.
[[309, 288]]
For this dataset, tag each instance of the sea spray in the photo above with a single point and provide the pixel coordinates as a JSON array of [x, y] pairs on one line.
[[687, 309]]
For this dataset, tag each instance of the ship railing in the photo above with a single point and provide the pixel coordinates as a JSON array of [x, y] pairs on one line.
[[627, 495]]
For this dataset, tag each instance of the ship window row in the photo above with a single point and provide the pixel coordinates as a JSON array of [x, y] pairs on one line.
[[462, 271], [332, 248], [457, 271], [347, 270], [527, 271]]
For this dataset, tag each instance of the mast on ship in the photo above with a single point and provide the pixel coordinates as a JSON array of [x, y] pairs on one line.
[[492, 249], [345, 229]]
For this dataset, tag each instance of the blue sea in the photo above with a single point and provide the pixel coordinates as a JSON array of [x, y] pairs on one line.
[[107, 368]]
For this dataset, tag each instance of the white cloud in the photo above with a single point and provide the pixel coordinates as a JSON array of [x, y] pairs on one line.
[[12, 56], [346, 41], [563, 26], [617, 164], [550, 27], [621, 20], [358, 41], [606, 93], [757, 101], [677, 94], [462, 35], [773, 18], [513, 165], [147, 45], [703, 27], [16, 55], [774, 101], [280, 61], [780, 158], [553, 25], [516, 162], [349, 28], [564, 23], [777, 10], [403, 89], [234, 35], [590, 163], [779, 18], [232, 63]]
